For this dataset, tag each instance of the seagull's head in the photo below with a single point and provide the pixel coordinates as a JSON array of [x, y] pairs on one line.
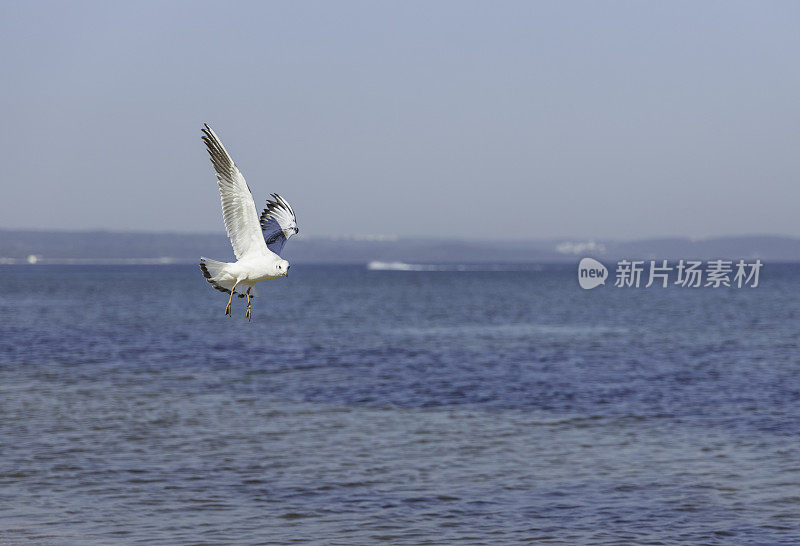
[[283, 268]]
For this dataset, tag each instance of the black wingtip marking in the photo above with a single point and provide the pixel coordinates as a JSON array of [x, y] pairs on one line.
[[207, 275]]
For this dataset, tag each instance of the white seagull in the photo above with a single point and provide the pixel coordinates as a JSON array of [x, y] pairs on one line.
[[256, 242]]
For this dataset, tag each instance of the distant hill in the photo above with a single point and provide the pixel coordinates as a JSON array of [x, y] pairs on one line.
[[115, 247]]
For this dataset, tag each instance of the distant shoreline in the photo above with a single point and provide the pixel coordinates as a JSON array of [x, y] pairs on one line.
[[119, 248]]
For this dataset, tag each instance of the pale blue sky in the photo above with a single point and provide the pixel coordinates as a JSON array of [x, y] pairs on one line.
[[466, 119]]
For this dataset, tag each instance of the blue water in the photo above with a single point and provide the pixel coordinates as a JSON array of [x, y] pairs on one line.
[[483, 407]]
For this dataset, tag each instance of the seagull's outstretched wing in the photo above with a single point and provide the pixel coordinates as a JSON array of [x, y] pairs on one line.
[[278, 223], [238, 208]]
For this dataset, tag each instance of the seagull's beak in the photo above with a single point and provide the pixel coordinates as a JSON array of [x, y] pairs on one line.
[[287, 272]]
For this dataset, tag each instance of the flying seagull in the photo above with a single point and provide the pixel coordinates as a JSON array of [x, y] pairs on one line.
[[256, 241]]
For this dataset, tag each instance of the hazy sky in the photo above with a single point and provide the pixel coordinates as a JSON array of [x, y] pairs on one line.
[[468, 119]]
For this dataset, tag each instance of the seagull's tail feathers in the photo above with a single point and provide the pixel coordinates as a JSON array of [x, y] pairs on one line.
[[215, 273]]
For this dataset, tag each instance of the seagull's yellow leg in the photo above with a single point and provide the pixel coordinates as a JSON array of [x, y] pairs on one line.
[[228, 308], [248, 304]]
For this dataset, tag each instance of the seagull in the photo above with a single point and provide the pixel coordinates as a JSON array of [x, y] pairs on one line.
[[256, 241]]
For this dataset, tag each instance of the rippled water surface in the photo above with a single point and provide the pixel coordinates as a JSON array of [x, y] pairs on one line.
[[415, 407]]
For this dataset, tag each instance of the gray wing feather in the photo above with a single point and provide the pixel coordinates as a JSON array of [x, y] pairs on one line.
[[238, 207], [278, 223]]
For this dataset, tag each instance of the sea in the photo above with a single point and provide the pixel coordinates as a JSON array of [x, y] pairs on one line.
[[476, 404]]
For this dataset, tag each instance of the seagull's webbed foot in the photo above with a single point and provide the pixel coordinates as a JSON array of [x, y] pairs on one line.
[[228, 308], [247, 313]]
